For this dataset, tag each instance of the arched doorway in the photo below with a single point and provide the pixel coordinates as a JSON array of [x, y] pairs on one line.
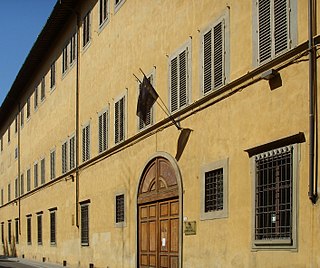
[[159, 215]]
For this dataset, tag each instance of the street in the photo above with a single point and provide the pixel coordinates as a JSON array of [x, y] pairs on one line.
[[12, 264]]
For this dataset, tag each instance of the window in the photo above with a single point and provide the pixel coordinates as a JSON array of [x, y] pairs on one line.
[[214, 195], [16, 187], [149, 118], [9, 192], [86, 29], [1, 143], [21, 184], [52, 75], [119, 210], [17, 230], [16, 124], [43, 89], [2, 233], [43, 170], [9, 232], [64, 157], [22, 117], [86, 143], [103, 11], [103, 131], [8, 134], [72, 151], [275, 198], [36, 98], [179, 66], [28, 108], [118, 4], [274, 28], [73, 48], [215, 55], [35, 174], [28, 180], [39, 227], [29, 230], [84, 224], [65, 59], [53, 240], [52, 164], [16, 153], [119, 120], [2, 200]]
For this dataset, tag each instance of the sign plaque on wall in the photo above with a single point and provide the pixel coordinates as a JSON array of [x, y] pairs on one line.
[[190, 228]]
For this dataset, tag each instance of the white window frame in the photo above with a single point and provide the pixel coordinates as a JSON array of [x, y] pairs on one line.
[[185, 47], [118, 5], [125, 118], [104, 21], [277, 243], [224, 19], [292, 31], [217, 214]]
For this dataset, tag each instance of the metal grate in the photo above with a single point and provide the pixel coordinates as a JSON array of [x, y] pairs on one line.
[[85, 224], [214, 190], [53, 227], [39, 221], [120, 208], [29, 230], [273, 195]]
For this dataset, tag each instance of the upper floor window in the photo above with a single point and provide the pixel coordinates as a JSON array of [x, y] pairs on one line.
[[1, 145], [9, 137], [36, 98], [72, 152], [43, 170], [65, 59], [103, 11], [28, 180], [118, 4], [43, 89], [35, 174], [86, 31], [52, 164], [22, 184], [16, 124], [64, 151], [22, 117], [28, 108], [9, 192], [119, 120], [103, 131], [179, 84], [274, 180], [86, 143], [215, 55], [53, 75], [274, 28], [73, 48]]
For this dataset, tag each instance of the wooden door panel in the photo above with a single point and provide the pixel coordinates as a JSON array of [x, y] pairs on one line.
[[174, 262], [174, 208], [144, 247], [153, 236], [164, 239], [164, 261], [164, 209], [174, 235]]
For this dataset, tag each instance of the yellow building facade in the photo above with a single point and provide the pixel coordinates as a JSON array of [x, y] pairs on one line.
[[222, 172]]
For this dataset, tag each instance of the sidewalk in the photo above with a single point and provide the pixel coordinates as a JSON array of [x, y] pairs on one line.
[[36, 263]]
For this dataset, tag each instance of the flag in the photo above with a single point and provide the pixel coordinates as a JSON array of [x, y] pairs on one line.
[[147, 97]]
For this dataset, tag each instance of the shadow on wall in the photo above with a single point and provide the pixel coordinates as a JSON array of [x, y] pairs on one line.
[[9, 250]]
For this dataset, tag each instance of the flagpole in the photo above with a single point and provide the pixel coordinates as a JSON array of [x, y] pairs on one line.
[[167, 112]]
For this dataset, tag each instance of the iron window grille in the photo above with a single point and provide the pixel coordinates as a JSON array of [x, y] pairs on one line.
[[214, 190], [29, 241], [85, 224], [39, 225], [9, 232], [120, 213], [274, 197], [53, 227], [17, 230]]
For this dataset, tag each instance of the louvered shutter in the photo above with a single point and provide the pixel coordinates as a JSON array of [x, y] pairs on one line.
[[72, 152], [121, 107], [83, 144], [119, 120], [174, 84], [64, 157], [264, 29], [207, 61], [218, 56], [281, 25], [103, 132], [183, 78], [87, 140]]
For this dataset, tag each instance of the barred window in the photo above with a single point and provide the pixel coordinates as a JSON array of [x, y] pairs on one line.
[[2, 233], [29, 230], [86, 143], [17, 230], [274, 196], [9, 232], [53, 227], [214, 203], [39, 227], [85, 224], [119, 209]]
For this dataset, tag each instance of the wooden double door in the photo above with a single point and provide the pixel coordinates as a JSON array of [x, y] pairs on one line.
[[159, 234], [158, 216]]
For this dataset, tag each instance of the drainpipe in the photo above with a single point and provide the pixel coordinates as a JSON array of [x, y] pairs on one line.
[[313, 195]]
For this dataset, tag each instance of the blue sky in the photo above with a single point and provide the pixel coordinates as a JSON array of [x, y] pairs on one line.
[[21, 22]]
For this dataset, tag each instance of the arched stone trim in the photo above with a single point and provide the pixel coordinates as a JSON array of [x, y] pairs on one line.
[[177, 172]]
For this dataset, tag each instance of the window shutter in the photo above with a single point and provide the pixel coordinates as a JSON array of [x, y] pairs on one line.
[[174, 84], [43, 171], [86, 143], [264, 29], [183, 78], [119, 120], [218, 57], [103, 132], [72, 152], [122, 119], [64, 158], [83, 144], [207, 61], [281, 26]]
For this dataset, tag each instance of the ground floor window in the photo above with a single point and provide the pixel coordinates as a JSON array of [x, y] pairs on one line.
[[84, 224]]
